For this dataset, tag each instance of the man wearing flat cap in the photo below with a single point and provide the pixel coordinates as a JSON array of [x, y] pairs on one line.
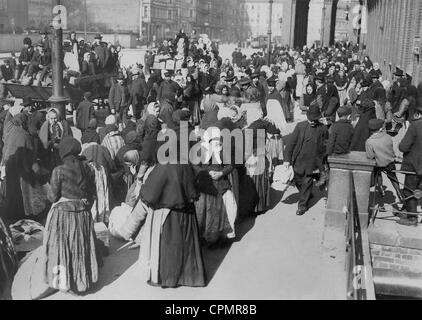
[[117, 97], [411, 146], [379, 147], [41, 62], [85, 112]]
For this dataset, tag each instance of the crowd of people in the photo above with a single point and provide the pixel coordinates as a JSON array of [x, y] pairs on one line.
[[115, 174]]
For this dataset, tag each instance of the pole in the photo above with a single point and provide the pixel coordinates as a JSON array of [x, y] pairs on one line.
[[270, 30], [85, 20], [58, 100]]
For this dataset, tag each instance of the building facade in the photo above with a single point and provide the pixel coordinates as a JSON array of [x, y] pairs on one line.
[[13, 15], [257, 14], [394, 34], [162, 19]]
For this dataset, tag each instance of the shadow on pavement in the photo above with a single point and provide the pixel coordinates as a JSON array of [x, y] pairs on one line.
[[114, 265], [213, 258]]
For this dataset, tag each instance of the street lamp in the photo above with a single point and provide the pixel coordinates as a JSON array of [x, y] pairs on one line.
[[270, 31], [58, 100]]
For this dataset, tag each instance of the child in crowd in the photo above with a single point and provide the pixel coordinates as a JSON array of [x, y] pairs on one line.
[[341, 133]]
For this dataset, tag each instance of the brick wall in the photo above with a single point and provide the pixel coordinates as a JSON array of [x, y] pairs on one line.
[[393, 25], [396, 258]]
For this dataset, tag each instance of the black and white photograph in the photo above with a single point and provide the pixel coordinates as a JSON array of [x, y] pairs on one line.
[[192, 151]]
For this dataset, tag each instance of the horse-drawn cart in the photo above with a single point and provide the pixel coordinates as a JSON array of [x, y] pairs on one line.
[[74, 90]]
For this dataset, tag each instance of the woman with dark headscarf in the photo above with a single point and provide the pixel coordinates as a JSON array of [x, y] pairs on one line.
[[362, 132], [308, 97], [171, 254], [18, 160], [331, 103], [69, 239]]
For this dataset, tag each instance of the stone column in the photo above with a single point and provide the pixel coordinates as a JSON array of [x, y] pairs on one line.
[[342, 169]]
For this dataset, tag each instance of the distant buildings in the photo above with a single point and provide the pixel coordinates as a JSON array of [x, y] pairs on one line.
[[294, 22], [13, 15], [256, 14]]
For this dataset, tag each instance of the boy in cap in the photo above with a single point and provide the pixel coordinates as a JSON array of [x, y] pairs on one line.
[[25, 58], [341, 133], [379, 147], [41, 62]]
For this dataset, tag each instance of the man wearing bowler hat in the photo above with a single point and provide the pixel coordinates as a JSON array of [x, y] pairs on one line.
[[101, 52], [305, 151]]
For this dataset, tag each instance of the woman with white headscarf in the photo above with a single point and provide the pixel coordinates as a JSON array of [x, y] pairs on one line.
[[51, 134]]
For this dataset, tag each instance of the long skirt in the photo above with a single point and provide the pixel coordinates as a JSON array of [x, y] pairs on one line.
[[170, 254], [262, 186], [212, 218], [258, 172], [70, 248]]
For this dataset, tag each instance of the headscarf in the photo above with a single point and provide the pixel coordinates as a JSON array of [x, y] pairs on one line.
[[309, 98], [151, 107], [69, 148], [132, 142]]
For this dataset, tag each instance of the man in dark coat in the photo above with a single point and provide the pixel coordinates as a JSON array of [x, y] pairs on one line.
[[138, 93], [102, 52], [305, 151], [85, 112], [262, 91], [411, 146], [117, 97], [41, 61], [168, 89]]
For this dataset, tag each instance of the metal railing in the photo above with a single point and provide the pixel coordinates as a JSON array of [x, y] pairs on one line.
[[360, 284]]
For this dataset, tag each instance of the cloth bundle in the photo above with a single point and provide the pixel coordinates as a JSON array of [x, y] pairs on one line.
[[282, 178]]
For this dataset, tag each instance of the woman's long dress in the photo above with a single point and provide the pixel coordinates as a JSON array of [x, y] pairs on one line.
[[71, 261], [170, 253]]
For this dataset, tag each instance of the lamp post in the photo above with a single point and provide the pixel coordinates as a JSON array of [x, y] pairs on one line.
[[58, 100], [270, 30]]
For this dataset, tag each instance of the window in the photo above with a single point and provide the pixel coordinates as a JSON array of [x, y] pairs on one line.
[[169, 14], [3, 5], [191, 13]]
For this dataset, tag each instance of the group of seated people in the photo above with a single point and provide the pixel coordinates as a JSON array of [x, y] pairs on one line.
[[34, 64]]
